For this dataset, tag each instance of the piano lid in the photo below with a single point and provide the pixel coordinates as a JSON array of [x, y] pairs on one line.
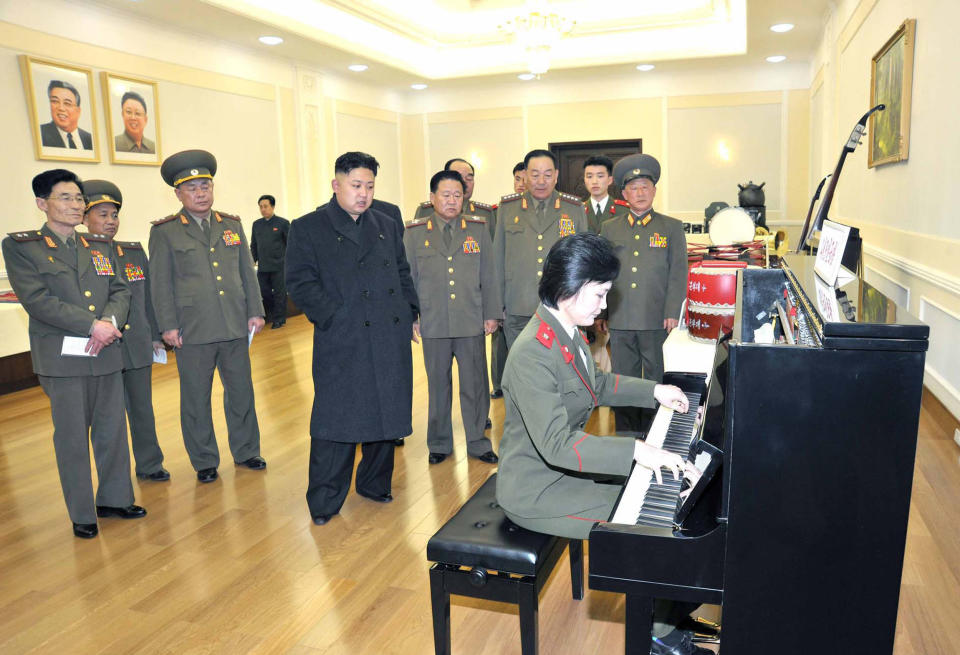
[[861, 310]]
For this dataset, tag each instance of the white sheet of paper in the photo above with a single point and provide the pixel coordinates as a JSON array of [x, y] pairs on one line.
[[250, 338], [833, 241], [75, 347], [160, 357]]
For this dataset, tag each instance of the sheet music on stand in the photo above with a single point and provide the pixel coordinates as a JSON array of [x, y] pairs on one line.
[[833, 241]]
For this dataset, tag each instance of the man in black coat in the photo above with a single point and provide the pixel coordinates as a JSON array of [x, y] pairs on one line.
[[62, 130], [268, 245], [347, 270]]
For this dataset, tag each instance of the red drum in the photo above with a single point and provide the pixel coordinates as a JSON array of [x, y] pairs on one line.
[[713, 286], [705, 324]]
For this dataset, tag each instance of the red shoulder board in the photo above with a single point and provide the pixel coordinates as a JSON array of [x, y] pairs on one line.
[[469, 218], [545, 334], [481, 205], [164, 220], [417, 223], [494, 207], [513, 196], [28, 235], [622, 203]]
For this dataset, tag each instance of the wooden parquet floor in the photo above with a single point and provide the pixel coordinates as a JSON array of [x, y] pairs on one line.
[[237, 567]]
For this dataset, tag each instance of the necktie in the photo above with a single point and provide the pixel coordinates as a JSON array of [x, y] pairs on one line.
[[447, 236], [73, 144], [540, 210], [72, 243], [205, 226], [598, 209]]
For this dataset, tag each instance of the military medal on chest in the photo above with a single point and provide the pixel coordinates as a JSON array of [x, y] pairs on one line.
[[231, 238], [134, 273], [101, 264], [470, 246], [566, 226]]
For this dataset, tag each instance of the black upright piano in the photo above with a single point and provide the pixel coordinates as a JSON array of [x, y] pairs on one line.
[[800, 534]]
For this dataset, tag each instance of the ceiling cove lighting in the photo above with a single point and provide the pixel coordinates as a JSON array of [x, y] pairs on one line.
[[526, 77], [645, 67], [776, 59], [270, 40], [358, 68], [781, 27], [418, 87]]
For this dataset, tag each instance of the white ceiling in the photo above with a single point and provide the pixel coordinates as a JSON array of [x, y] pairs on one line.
[[450, 41]]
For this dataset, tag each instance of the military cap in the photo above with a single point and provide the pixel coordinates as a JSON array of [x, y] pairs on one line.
[[633, 166], [188, 165], [96, 192]]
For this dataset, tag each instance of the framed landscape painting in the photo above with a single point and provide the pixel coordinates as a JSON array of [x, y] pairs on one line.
[[891, 82]]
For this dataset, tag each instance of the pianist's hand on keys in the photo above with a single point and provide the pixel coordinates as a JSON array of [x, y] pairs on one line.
[[654, 458], [671, 397]]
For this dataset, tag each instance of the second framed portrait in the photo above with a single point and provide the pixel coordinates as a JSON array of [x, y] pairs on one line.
[[132, 108]]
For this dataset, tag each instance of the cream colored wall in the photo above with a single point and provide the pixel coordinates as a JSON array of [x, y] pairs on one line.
[[904, 210]]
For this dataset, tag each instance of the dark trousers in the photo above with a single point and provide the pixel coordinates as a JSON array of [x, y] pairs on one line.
[[638, 353], [471, 356], [138, 399], [89, 410], [196, 363], [513, 325], [273, 291], [498, 357], [331, 466]]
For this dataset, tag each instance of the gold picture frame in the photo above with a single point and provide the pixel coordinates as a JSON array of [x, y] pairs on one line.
[[132, 108], [891, 83], [68, 92]]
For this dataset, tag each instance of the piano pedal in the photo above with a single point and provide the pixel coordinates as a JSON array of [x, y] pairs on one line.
[[703, 630]]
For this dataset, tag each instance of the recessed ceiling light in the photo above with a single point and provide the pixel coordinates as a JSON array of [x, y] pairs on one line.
[[781, 27], [526, 77], [358, 68], [418, 87], [776, 59], [645, 67], [270, 40]]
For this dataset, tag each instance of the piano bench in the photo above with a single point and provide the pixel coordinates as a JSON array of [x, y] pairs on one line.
[[480, 553]]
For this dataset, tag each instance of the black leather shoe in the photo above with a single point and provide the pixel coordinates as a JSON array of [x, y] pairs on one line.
[[85, 530], [276, 324], [436, 458], [157, 476], [398, 442], [677, 642], [255, 463], [489, 457], [488, 424], [322, 519], [207, 475], [128, 512], [496, 393], [385, 498]]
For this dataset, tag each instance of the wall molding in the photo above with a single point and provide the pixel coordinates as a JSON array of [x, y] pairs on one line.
[[938, 278], [853, 24]]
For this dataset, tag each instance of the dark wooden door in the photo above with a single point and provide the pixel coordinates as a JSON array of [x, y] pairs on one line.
[[571, 155]]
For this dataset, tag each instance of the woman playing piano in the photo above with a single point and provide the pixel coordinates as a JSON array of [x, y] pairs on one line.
[[554, 477]]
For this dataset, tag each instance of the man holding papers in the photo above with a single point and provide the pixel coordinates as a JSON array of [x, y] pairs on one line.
[[207, 303], [69, 285]]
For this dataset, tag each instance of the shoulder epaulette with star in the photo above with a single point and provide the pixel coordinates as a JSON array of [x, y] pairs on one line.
[[30, 235], [425, 204], [130, 245], [100, 238], [510, 198], [545, 334], [225, 215], [416, 223], [161, 221], [622, 203], [470, 218], [569, 198], [482, 205]]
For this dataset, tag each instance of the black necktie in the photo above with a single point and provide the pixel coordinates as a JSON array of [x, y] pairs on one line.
[[70, 140], [598, 209], [72, 243], [447, 236]]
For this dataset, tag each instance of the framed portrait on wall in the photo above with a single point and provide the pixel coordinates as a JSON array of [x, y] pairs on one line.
[[891, 82], [132, 108], [63, 112]]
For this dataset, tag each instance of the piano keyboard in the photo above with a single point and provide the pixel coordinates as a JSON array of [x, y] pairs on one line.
[[644, 502]]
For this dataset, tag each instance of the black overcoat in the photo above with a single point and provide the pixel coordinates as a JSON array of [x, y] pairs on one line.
[[352, 281]]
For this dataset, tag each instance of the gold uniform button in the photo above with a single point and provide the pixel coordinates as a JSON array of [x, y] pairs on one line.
[[539, 260], [449, 259], [539, 273], [634, 269], [92, 308], [636, 236], [216, 264], [451, 283], [633, 285], [453, 296], [539, 237], [220, 277], [449, 270], [221, 292], [212, 249], [126, 327], [539, 248], [636, 253], [87, 294]]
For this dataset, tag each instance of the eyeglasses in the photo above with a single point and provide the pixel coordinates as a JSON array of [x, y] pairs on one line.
[[67, 198]]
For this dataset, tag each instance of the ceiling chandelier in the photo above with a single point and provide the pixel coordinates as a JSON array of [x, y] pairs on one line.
[[537, 32]]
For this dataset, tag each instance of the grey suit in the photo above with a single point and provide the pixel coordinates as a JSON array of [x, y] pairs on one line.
[[64, 291], [206, 287], [123, 143], [457, 288]]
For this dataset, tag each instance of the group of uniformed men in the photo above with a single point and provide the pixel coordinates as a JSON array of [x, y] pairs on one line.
[[460, 270]]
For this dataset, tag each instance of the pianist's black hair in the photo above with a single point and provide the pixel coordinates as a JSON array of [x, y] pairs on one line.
[[572, 262]]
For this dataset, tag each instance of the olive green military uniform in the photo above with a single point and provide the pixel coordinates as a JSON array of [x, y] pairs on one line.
[[457, 286], [612, 209], [139, 333], [64, 289], [205, 286], [470, 208], [526, 229], [651, 287]]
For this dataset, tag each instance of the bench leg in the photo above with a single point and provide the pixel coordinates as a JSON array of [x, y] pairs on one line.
[[576, 567], [638, 620], [529, 611], [440, 602]]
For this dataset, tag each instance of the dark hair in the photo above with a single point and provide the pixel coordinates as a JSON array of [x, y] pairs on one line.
[[519, 167], [599, 160], [133, 95], [273, 201], [44, 182], [446, 166], [351, 160], [539, 153], [60, 84], [446, 175], [572, 262]]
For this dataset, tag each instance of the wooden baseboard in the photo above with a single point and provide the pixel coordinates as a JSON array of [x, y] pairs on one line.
[[941, 416], [16, 372]]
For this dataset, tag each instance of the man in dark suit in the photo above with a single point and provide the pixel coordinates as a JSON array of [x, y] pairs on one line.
[[268, 245], [62, 131], [69, 286], [347, 271]]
